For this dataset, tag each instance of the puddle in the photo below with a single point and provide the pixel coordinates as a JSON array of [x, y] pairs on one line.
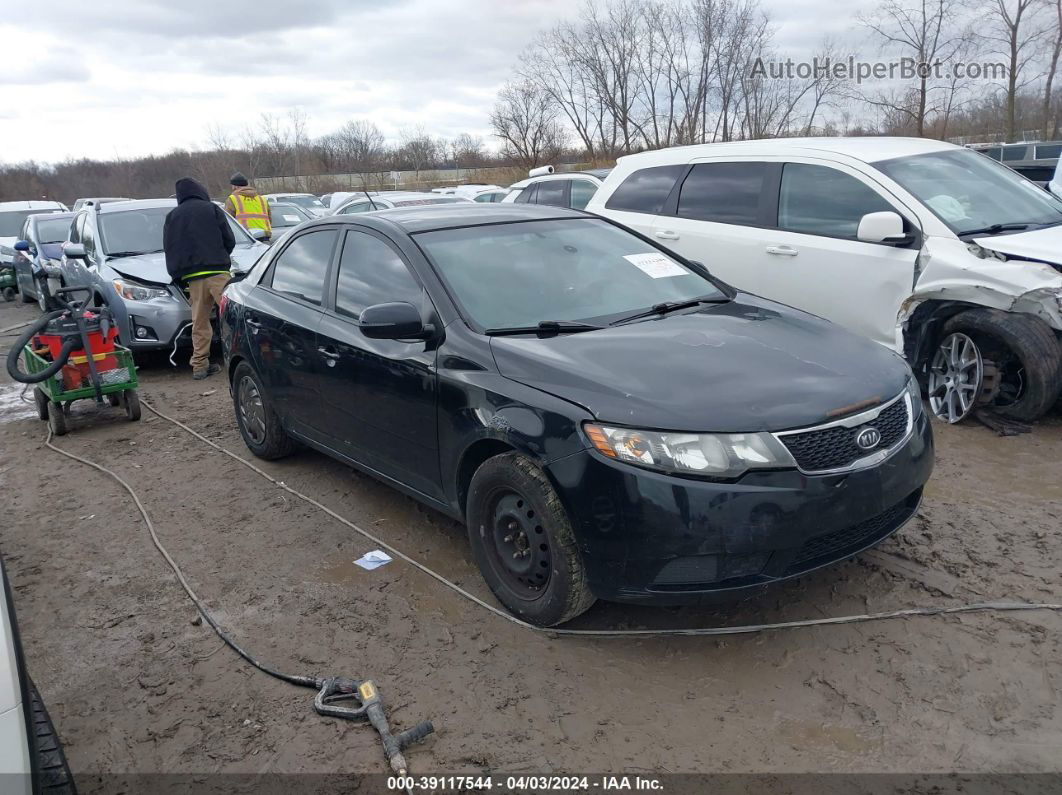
[[12, 407]]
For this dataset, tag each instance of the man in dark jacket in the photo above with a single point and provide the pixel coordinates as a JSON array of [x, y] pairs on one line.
[[198, 240]]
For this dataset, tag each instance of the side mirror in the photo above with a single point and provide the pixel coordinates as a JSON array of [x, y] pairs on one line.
[[74, 251], [257, 234], [394, 321], [884, 227], [22, 245]]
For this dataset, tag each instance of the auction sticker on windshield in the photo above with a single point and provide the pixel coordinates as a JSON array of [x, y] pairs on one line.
[[656, 266]]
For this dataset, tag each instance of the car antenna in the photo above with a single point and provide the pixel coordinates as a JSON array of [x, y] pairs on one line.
[[367, 196]]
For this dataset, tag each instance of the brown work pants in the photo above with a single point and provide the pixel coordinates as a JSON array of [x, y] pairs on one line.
[[205, 292]]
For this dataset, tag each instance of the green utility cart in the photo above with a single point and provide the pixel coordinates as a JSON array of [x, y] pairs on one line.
[[8, 284], [118, 385]]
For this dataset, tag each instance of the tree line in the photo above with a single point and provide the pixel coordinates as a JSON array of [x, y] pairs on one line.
[[626, 75]]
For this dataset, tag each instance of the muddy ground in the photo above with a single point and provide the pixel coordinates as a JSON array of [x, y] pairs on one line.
[[135, 685]]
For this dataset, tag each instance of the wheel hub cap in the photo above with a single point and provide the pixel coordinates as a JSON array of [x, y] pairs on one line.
[[252, 411]]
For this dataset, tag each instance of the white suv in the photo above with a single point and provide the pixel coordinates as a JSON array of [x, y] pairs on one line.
[[571, 189], [933, 250]]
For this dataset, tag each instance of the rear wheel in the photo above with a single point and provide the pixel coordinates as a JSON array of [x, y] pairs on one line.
[[1008, 362], [523, 542], [259, 425], [41, 401], [57, 419]]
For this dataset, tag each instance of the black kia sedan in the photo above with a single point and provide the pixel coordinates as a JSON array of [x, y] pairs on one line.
[[608, 419]]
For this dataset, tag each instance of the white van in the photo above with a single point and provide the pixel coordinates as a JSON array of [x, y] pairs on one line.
[[934, 250]]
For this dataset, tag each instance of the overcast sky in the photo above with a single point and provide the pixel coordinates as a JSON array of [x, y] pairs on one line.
[[92, 78]]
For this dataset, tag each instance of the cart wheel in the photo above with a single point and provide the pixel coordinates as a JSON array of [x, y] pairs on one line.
[[57, 420], [114, 399], [132, 404], [9, 293], [42, 402]]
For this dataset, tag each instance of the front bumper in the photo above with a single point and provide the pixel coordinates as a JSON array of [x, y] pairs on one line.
[[651, 537]]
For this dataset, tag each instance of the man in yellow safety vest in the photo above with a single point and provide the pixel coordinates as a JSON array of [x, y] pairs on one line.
[[247, 207]]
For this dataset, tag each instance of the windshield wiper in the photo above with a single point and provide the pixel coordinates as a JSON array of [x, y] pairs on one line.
[[544, 327], [669, 306], [994, 229], [120, 254]]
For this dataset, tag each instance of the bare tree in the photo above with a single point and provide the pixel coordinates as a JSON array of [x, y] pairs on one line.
[[1055, 32], [417, 149], [1013, 32], [925, 31], [525, 119]]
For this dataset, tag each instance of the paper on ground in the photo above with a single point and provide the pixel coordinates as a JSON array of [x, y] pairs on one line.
[[373, 560]]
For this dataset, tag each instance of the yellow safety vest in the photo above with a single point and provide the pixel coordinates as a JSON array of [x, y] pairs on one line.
[[252, 212]]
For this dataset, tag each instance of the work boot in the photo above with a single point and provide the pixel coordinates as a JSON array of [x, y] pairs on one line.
[[206, 372]]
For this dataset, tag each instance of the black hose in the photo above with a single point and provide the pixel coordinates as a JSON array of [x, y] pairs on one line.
[[16, 351]]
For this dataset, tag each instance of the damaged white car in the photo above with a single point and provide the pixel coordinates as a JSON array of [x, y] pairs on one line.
[[934, 250]]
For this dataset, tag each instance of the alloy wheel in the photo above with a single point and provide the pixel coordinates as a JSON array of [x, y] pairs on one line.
[[252, 410], [956, 376]]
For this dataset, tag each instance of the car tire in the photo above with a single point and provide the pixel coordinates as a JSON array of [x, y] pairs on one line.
[[510, 496], [51, 770], [259, 425], [1026, 340]]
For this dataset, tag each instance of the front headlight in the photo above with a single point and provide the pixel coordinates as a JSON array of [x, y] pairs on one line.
[[914, 391], [134, 291], [714, 455]]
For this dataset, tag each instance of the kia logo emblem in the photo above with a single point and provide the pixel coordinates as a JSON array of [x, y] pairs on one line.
[[868, 438]]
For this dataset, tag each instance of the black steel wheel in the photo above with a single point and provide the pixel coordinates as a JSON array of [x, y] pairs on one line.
[[523, 542], [259, 425]]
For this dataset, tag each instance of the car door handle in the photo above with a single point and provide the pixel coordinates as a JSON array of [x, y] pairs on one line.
[[782, 251], [253, 323], [667, 234], [328, 352]]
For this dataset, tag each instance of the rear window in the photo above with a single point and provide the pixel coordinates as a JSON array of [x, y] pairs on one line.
[[1048, 151], [728, 193], [551, 192], [646, 190]]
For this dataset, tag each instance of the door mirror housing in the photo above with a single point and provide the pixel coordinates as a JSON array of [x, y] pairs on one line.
[[257, 233], [884, 227], [394, 321], [74, 251], [22, 245]]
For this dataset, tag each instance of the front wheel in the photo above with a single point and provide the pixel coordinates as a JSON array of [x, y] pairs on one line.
[[1005, 361], [523, 542], [259, 425]]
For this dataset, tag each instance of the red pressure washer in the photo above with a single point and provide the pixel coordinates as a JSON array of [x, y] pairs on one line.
[[71, 354]]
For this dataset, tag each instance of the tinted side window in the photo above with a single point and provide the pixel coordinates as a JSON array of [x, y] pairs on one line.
[[995, 152], [88, 238], [1048, 151], [526, 195], [301, 268], [818, 200], [371, 272], [583, 191], [552, 192], [1013, 153], [725, 192], [76, 228], [645, 191]]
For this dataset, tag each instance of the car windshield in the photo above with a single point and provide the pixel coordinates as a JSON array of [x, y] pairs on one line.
[[304, 201], [968, 191], [287, 214], [131, 232], [11, 221], [580, 269], [53, 230]]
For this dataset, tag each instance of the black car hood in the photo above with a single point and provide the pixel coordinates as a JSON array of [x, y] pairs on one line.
[[747, 365]]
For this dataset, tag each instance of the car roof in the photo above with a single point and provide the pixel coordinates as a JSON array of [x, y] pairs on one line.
[[290, 193], [869, 149], [597, 173], [30, 205], [51, 216], [134, 204], [423, 218]]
